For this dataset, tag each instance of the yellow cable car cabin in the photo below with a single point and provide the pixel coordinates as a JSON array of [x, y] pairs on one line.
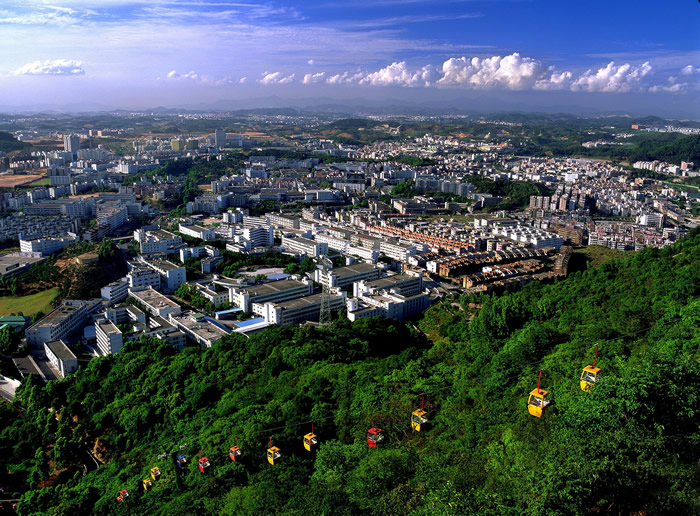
[[147, 484], [538, 402], [155, 473], [274, 455], [419, 420], [589, 377], [310, 442]]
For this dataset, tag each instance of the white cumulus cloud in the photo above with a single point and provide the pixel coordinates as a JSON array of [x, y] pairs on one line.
[[276, 78], [243, 80], [311, 78], [398, 74], [52, 67], [345, 78], [612, 78], [690, 70], [511, 72], [310, 61], [189, 75]]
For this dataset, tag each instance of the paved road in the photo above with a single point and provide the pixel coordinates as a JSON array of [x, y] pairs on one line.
[[8, 387]]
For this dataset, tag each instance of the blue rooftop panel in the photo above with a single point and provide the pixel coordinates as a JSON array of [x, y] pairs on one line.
[[250, 322], [278, 276]]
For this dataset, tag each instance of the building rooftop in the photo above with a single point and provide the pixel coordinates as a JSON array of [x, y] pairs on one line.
[[9, 263], [61, 351], [350, 270], [164, 265], [302, 301], [390, 281], [153, 298], [196, 323], [272, 287], [58, 315], [108, 327]]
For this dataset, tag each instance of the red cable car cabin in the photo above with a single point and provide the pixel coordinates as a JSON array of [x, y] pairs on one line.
[[374, 436], [204, 464]]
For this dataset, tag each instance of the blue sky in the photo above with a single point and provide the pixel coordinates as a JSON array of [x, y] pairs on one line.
[[138, 53]]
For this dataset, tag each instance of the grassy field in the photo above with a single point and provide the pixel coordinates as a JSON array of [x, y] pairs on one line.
[[598, 254], [41, 182], [28, 305]]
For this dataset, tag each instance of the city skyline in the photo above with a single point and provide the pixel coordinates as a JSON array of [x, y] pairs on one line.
[[467, 54]]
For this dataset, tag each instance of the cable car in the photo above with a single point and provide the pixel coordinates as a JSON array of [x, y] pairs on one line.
[[374, 436], [147, 484], [204, 464], [234, 452], [419, 419], [538, 401], [155, 473], [274, 454], [311, 440], [181, 461], [123, 495], [589, 375]]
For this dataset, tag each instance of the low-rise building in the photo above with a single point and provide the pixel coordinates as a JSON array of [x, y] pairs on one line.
[[57, 324], [198, 327], [115, 292], [304, 246], [345, 276], [109, 338], [171, 275], [61, 357], [298, 310], [275, 291], [45, 246], [397, 250], [196, 231], [143, 277], [154, 302]]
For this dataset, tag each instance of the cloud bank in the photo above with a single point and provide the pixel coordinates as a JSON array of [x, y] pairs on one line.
[[52, 67]]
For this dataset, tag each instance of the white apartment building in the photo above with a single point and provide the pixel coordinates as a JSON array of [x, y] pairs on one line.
[[143, 277], [345, 276], [387, 304], [337, 244], [109, 338], [115, 292], [154, 302], [45, 246], [61, 357], [57, 324], [282, 221], [397, 250], [298, 310], [198, 328], [196, 231], [171, 275], [260, 236], [156, 241], [113, 216], [370, 255], [275, 291], [304, 246]]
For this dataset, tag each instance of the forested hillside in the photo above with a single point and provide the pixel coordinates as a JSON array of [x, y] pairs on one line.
[[629, 445]]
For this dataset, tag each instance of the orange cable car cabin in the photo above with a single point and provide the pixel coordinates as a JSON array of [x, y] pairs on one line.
[[538, 401], [311, 440], [374, 436], [234, 452], [123, 495], [589, 375], [274, 454]]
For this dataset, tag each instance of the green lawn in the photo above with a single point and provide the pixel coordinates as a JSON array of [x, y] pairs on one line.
[[28, 305], [40, 182]]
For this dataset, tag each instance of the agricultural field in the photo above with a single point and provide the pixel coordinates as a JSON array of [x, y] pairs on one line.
[[10, 181], [28, 305]]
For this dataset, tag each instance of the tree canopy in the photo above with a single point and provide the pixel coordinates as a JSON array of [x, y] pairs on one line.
[[628, 445]]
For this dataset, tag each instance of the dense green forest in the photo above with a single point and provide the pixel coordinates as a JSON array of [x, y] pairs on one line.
[[630, 445], [9, 143]]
